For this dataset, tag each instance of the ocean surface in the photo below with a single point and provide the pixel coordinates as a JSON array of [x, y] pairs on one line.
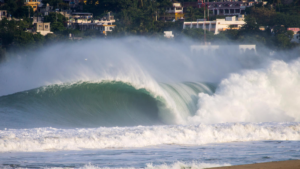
[[148, 105]]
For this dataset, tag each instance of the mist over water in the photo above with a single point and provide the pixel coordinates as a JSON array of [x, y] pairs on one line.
[[147, 103], [139, 81], [136, 60]]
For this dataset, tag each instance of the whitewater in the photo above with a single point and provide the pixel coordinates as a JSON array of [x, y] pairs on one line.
[[146, 103]]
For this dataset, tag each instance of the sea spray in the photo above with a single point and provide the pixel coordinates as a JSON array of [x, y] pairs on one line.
[[262, 95]]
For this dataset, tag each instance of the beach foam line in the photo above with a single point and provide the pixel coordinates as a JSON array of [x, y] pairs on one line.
[[176, 165], [44, 139]]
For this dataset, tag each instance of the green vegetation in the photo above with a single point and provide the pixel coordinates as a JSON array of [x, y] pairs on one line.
[[16, 8], [57, 21], [147, 18]]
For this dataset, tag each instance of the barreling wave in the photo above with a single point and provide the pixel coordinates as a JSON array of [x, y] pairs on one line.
[[106, 103]]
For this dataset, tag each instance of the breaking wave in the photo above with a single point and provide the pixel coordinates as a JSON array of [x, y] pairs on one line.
[[107, 103], [53, 139]]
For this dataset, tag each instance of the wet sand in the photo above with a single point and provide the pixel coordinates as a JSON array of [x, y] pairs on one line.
[[291, 164]]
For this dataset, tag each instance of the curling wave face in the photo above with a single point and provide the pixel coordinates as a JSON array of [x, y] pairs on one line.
[[107, 103]]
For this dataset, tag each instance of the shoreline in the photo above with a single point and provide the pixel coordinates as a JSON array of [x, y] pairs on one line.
[[290, 164]]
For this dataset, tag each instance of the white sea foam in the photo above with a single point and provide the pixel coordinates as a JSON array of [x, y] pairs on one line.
[[52, 139], [176, 165], [264, 95]]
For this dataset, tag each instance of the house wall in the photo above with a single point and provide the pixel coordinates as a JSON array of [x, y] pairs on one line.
[[3, 14], [33, 3], [215, 26]]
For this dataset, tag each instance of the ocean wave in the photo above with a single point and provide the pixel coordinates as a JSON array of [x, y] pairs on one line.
[[95, 104], [53, 139], [262, 95], [176, 165]]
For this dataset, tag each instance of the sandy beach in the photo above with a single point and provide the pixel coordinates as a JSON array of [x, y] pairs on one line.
[[292, 164]]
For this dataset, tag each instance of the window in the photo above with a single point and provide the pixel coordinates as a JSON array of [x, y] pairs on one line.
[[46, 26], [34, 6]]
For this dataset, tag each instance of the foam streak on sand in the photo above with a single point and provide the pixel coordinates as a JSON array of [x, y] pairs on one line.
[[44, 139]]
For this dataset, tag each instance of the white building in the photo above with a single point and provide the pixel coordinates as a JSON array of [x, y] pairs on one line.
[[168, 34], [199, 49], [105, 24], [217, 25], [42, 27], [296, 36]]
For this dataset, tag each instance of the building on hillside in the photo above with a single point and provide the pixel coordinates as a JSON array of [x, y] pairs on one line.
[[218, 25], [223, 7], [45, 9], [174, 13], [105, 24], [42, 27], [3, 14], [37, 19], [33, 3], [235, 49], [72, 37], [168, 34], [296, 37], [81, 15], [65, 13]]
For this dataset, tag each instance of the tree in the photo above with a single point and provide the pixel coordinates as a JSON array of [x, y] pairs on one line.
[[251, 25], [282, 41], [191, 14], [53, 3], [13, 8], [57, 21], [57, 27], [39, 39], [263, 16]]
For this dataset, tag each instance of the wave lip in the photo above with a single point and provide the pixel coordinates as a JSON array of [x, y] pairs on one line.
[[45, 139]]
